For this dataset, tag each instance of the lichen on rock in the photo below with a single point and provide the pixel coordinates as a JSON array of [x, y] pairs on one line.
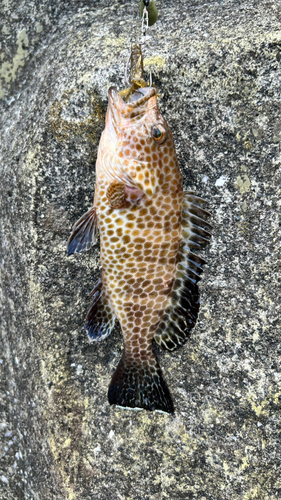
[[217, 68]]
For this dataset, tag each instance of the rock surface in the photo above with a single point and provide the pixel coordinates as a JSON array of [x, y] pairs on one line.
[[217, 67]]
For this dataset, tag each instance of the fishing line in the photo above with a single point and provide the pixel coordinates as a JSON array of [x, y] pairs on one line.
[[149, 16]]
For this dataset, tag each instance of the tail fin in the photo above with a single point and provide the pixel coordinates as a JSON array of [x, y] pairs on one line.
[[140, 386]]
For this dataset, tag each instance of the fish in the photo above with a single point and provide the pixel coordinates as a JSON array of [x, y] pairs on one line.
[[150, 229]]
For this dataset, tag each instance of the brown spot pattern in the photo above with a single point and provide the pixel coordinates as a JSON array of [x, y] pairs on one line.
[[149, 229], [140, 211]]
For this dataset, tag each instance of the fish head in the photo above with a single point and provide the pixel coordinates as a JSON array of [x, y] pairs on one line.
[[142, 151]]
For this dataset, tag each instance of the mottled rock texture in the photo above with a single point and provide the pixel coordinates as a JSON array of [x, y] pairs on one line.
[[217, 67]]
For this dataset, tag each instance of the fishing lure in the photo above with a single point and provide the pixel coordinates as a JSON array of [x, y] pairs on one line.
[[149, 227]]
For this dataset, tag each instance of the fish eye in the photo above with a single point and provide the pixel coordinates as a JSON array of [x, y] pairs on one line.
[[159, 133]]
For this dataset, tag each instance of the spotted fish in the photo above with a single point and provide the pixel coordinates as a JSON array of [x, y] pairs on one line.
[[149, 227]]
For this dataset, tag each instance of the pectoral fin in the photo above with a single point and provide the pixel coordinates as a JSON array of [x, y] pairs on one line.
[[84, 233], [183, 306]]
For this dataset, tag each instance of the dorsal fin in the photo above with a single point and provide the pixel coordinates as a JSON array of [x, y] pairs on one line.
[[182, 310]]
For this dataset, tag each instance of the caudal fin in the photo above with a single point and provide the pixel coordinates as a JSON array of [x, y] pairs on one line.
[[140, 386]]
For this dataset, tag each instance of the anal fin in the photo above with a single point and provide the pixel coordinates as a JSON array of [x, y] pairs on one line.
[[100, 319], [84, 233], [181, 313]]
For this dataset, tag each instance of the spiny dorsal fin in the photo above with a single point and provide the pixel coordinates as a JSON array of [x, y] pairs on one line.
[[182, 310], [100, 318], [84, 233]]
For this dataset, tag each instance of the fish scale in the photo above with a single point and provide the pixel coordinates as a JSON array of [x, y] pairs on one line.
[[148, 228]]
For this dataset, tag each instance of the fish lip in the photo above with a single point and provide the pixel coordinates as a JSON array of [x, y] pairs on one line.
[[115, 99], [113, 95]]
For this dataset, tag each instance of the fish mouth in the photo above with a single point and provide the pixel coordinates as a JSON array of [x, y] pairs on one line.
[[140, 97]]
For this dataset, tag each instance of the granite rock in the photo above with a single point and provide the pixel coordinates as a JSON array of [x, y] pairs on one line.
[[217, 68]]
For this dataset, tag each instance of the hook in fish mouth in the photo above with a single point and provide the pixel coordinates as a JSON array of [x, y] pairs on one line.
[[115, 98]]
